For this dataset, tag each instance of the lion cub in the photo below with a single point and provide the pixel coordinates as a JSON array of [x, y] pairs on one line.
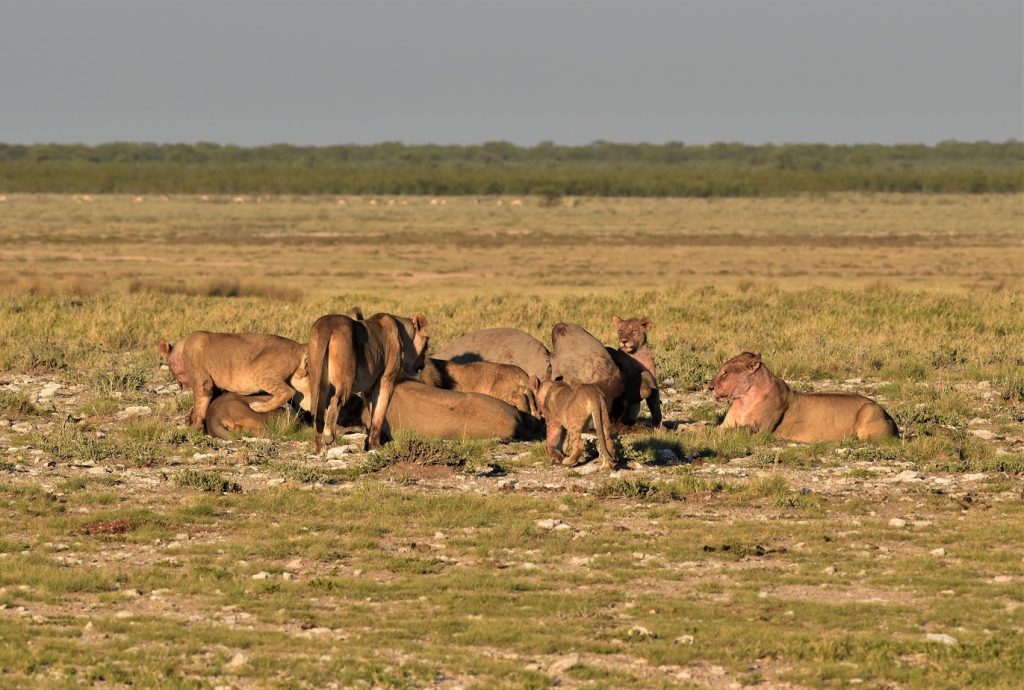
[[763, 401], [567, 408]]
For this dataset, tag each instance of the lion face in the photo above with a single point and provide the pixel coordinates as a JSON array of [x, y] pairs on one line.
[[735, 377], [632, 333], [415, 351], [172, 356]]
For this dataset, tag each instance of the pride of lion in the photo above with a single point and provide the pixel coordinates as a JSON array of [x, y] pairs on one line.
[[496, 383]]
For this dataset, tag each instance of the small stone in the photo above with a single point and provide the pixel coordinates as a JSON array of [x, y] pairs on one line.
[[123, 614], [830, 570], [984, 434], [276, 481], [339, 451], [287, 575], [641, 633], [181, 536], [564, 664], [294, 564], [683, 639], [548, 523], [261, 575], [907, 476], [131, 593], [237, 661], [939, 552], [942, 638], [897, 522], [135, 411], [561, 527]]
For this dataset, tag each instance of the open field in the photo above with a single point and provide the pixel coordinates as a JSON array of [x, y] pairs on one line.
[[136, 552]]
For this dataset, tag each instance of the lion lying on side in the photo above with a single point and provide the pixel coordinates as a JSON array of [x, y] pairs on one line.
[[506, 382], [243, 363], [762, 401], [229, 414], [441, 413]]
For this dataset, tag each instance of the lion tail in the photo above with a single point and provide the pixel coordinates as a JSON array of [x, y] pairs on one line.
[[318, 381]]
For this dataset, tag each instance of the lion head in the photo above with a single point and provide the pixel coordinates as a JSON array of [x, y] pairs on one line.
[[735, 377], [632, 332], [172, 357]]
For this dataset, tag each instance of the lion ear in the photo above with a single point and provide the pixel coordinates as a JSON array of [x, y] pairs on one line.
[[419, 321], [303, 370], [535, 383], [164, 348], [755, 363], [616, 321], [646, 322]]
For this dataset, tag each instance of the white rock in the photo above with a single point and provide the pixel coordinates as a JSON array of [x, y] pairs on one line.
[[984, 434], [549, 523], [338, 451], [237, 661], [639, 631], [684, 639], [940, 552], [941, 638], [135, 411], [275, 481], [564, 664], [261, 575], [907, 476], [897, 522]]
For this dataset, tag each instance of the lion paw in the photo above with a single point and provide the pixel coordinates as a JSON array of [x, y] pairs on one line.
[[262, 407]]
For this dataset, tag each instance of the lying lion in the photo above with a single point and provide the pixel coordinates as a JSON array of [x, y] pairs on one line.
[[243, 363], [762, 401], [230, 414], [349, 356], [506, 382], [501, 345], [441, 413]]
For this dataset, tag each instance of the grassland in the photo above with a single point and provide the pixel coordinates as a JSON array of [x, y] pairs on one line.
[[137, 552]]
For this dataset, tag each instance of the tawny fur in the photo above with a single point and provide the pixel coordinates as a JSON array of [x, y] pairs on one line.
[[635, 361], [579, 357], [506, 382], [567, 409], [243, 363], [229, 414], [503, 346], [348, 356], [763, 401], [441, 413]]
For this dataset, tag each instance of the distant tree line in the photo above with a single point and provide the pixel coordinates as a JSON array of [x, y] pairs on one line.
[[601, 168]]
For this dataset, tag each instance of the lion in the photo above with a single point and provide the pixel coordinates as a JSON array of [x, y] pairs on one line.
[[450, 414], [567, 409], [242, 363], [635, 361], [501, 345], [229, 414], [348, 356], [762, 401], [506, 382], [579, 357]]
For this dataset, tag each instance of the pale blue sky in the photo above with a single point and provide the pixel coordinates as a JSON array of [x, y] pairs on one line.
[[458, 72]]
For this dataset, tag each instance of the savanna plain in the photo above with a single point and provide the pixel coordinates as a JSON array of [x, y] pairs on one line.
[[137, 552]]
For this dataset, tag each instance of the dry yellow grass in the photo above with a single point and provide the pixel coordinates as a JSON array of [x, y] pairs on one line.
[[317, 246]]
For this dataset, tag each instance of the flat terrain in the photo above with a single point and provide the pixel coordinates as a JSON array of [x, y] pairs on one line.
[[135, 552]]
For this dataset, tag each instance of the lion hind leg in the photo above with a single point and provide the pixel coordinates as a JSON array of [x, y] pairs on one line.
[[281, 392]]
